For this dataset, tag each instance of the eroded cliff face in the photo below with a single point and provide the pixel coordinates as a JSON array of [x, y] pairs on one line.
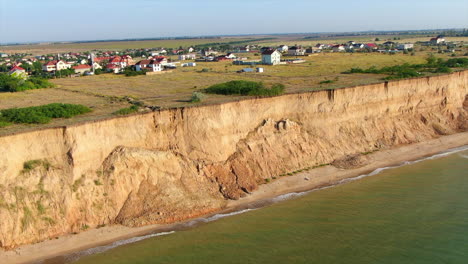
[[176, 164]]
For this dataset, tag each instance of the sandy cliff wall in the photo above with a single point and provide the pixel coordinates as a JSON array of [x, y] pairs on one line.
[[175, 164]]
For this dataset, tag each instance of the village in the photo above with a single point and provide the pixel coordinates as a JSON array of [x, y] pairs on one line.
[[159, 60]]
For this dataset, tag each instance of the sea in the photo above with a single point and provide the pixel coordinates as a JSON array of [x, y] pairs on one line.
[[415, 212]]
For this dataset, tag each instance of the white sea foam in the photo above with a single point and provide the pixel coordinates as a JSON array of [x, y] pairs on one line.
[[216, 217], [78, 255]]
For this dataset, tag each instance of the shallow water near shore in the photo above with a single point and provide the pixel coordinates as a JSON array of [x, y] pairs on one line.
[[411, 214]]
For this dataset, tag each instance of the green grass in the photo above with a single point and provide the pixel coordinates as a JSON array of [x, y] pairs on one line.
[[42, 114], [245, 88], [32, 164], [127, 110]]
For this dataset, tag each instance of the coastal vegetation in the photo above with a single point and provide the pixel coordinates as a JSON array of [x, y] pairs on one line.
[[10, 83], [245, 88], [41, 114], [127, 110], [406, 70]]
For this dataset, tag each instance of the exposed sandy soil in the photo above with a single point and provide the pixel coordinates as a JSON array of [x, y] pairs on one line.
[[324, 176]]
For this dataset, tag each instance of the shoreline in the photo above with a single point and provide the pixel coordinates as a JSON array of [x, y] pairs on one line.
[[54, 250]]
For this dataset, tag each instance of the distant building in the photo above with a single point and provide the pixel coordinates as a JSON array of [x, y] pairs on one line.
[[338, 48], [371, 46], [82, 68], [271, 57], [438, 40], [296, 51], [283, 48], [153, 65], [189, 56], [18, 72], [405, 46], [55, 66], [3, 55]]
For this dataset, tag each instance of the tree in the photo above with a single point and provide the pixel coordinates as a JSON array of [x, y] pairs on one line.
[[377, 39]]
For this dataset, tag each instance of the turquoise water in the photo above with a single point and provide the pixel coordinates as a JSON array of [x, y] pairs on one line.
[[412, 214]]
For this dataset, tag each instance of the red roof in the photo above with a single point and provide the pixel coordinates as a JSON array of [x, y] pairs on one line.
[[372, 45], [112, 66], [16, 67], [50, 63], [82, 66]]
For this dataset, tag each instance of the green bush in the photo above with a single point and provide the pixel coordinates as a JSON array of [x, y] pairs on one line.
[[12, 84], [245, 88], [197, 97], [127, 110], [41, 114]]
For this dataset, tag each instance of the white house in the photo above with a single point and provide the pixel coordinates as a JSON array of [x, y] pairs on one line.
[[405, 46], [437, 40], [189, 56], [283, 48], [338, 48], [55, 66], [150, 65], [97, 66], [271, 57]]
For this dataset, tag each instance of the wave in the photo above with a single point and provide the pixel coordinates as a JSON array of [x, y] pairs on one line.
[[75, 256], [280, 198], [217, 217]]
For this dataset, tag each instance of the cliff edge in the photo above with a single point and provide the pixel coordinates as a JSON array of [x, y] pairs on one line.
[[175, 164]]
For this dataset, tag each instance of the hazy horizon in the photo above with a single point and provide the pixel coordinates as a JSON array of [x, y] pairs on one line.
[[62, 21]]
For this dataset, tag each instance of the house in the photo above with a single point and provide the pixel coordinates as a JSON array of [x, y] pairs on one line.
[[313, 50], [283, 48], [208, 52], [338, 48], [189, 56], [18, 72], [82, 68], [357, 46], [320, 46], [405, 46], [55, 66], [97, 66], [438, 40], [231, 56], [190, 50], [152, 65], [389, 44], [296, 51], [113, 68], [372, 46], [3, 55], [271, 57]]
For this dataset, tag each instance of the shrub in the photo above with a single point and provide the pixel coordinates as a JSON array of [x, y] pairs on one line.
[[197, 97], [326, 81], [245, 88], [42, 114], [127, 110]]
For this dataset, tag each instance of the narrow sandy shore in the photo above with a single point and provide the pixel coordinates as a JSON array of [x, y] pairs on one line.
[[308, 180]]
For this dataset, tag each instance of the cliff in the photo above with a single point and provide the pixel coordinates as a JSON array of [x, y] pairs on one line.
[[175, 164]]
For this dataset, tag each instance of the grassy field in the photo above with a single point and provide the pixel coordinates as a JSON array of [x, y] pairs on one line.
[[357, 39], [104, 93], [40, 49]]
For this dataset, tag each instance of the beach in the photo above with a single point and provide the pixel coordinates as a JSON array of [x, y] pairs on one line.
[[299, 182]]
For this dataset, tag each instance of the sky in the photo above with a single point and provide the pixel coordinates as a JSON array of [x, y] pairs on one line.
[[65, 20]]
